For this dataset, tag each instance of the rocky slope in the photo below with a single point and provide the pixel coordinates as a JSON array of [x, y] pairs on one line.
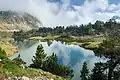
[[13, 21]]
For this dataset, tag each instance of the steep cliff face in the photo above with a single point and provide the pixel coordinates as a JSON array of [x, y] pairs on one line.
[[14, 21]]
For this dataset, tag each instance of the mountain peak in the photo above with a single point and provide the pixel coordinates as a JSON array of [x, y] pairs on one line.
[[10, 20]]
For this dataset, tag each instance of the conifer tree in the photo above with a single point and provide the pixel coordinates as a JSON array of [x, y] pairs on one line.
[[98, 72], [84, 72], [51, 63], [39, 57], [110, 48]]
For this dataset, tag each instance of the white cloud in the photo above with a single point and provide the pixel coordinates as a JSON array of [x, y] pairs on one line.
[[52, 14]]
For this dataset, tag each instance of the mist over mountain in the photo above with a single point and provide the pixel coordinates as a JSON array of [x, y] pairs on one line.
[[11, 21], [52, 13]]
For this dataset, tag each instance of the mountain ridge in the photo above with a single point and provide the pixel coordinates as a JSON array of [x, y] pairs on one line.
[[15, 21]]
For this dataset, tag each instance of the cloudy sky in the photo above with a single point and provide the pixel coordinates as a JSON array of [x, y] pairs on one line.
[[65, 12]]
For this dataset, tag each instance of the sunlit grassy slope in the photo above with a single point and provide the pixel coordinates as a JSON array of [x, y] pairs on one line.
[[10, 69], [9, 48]]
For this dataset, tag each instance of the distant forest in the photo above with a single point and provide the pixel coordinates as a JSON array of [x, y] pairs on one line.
[[99, 28]]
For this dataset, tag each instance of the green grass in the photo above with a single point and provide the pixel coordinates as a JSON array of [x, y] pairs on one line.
[[9, 69], [6, 43], [8, 47], [89, 42]]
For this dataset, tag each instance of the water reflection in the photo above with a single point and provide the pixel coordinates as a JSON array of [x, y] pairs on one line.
[[71, 55]]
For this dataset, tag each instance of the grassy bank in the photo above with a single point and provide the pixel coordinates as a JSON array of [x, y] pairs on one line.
[[9, 69], [9, 48], [6, 43], [88, 42]]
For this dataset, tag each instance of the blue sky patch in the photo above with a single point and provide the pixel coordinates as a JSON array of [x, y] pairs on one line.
[[80, 2]]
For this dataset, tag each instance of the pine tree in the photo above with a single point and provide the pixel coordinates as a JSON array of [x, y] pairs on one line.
[[110, 48], [98, 72], [39, 58], [90, 29], [51, 63], [84, 72]]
